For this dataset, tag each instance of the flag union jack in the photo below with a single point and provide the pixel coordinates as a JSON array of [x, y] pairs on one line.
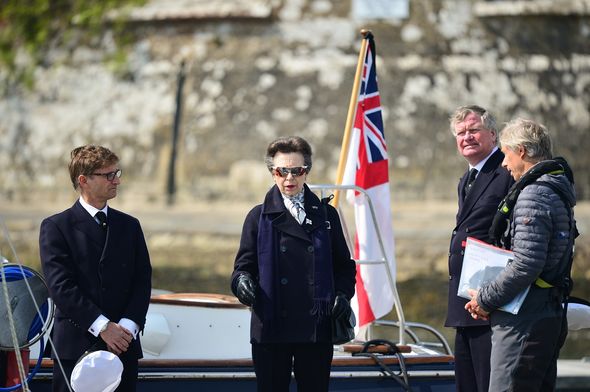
[[372, 163], [367, 167]]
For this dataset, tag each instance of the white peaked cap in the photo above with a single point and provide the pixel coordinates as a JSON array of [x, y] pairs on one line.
[[99, 371]]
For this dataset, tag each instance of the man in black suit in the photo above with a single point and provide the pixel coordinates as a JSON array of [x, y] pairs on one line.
[[480, 191], [97, 268]]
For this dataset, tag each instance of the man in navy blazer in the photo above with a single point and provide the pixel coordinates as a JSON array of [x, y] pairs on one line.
[[97, 268], [480, 191]]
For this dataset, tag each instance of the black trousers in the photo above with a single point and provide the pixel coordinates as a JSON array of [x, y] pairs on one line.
[[128, 378], [311, 363], [473, 347]]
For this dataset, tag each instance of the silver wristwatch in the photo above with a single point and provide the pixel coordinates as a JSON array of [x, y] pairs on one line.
[[104, 327]]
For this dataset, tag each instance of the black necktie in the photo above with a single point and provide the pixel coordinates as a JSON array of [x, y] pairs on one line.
[[102, 219], [470, 180]]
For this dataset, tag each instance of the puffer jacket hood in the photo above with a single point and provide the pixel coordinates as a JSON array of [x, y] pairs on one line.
[[563, 184]]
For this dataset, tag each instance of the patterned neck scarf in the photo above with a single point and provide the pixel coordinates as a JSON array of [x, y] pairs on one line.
[[295, 206]]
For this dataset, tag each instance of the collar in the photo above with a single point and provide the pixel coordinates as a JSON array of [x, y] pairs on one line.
[[274, 203], [91, 209], [298, 197], [481, 163]]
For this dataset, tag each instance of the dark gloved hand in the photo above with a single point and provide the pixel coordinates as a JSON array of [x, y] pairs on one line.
[[341, 306], [246, 289]]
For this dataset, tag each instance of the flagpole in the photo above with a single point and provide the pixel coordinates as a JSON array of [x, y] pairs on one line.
[[351, 112]]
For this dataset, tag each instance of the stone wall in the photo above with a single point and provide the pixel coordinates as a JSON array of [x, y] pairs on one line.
[[258, 69]]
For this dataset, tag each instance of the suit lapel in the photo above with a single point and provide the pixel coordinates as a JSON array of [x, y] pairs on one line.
[[488, 172], [461, 190], [112, 233], [314, 212], [284, 221], [86, 224], [288, 225]]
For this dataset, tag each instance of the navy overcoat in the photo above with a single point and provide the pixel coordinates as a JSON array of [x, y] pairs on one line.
[[296, 324]]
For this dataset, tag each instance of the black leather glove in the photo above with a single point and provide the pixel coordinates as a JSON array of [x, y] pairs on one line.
[[341, 306], [246, 289]]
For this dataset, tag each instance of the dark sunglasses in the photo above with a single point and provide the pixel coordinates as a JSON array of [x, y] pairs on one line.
[[110, 176], [284, 171]]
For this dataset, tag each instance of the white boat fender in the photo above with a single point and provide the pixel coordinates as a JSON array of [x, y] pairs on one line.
[[156, 334], [578, 314]]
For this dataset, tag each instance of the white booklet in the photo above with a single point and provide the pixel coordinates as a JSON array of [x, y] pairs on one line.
[[482, 263]]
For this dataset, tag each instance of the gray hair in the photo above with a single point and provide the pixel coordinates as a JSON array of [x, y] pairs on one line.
[[487, 119], [532, 136]]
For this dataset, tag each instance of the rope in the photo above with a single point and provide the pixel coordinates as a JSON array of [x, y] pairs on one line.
[[11, 273], [19, 358], [32, 374], [50, 309], [17, 272], [403, 381]]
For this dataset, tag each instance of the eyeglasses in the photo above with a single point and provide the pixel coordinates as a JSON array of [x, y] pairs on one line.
[[110, 176], [473, 132], [284, 171]]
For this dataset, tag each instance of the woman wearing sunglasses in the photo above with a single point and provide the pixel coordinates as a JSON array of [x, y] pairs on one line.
[[294, 269]]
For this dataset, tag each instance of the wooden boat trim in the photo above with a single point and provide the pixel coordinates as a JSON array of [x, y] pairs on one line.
[[206, 300], [226, 363], [337, 361], [381, 348]]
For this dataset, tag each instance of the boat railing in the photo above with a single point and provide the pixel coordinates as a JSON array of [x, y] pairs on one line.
[[405, 328]]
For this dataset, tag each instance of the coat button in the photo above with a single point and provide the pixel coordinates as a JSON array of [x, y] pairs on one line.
[[283, 248], [454, 232], [467, 230], [450, 277], [462, 252], [450, 254], [284, 281], [310, 248]]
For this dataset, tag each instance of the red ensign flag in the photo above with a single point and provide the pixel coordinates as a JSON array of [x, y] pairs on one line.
[[367, 167]]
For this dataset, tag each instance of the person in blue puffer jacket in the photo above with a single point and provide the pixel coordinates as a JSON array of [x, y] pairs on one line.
[[525, 346]]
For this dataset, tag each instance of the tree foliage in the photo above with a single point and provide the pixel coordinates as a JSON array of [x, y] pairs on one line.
[[30, 28]]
